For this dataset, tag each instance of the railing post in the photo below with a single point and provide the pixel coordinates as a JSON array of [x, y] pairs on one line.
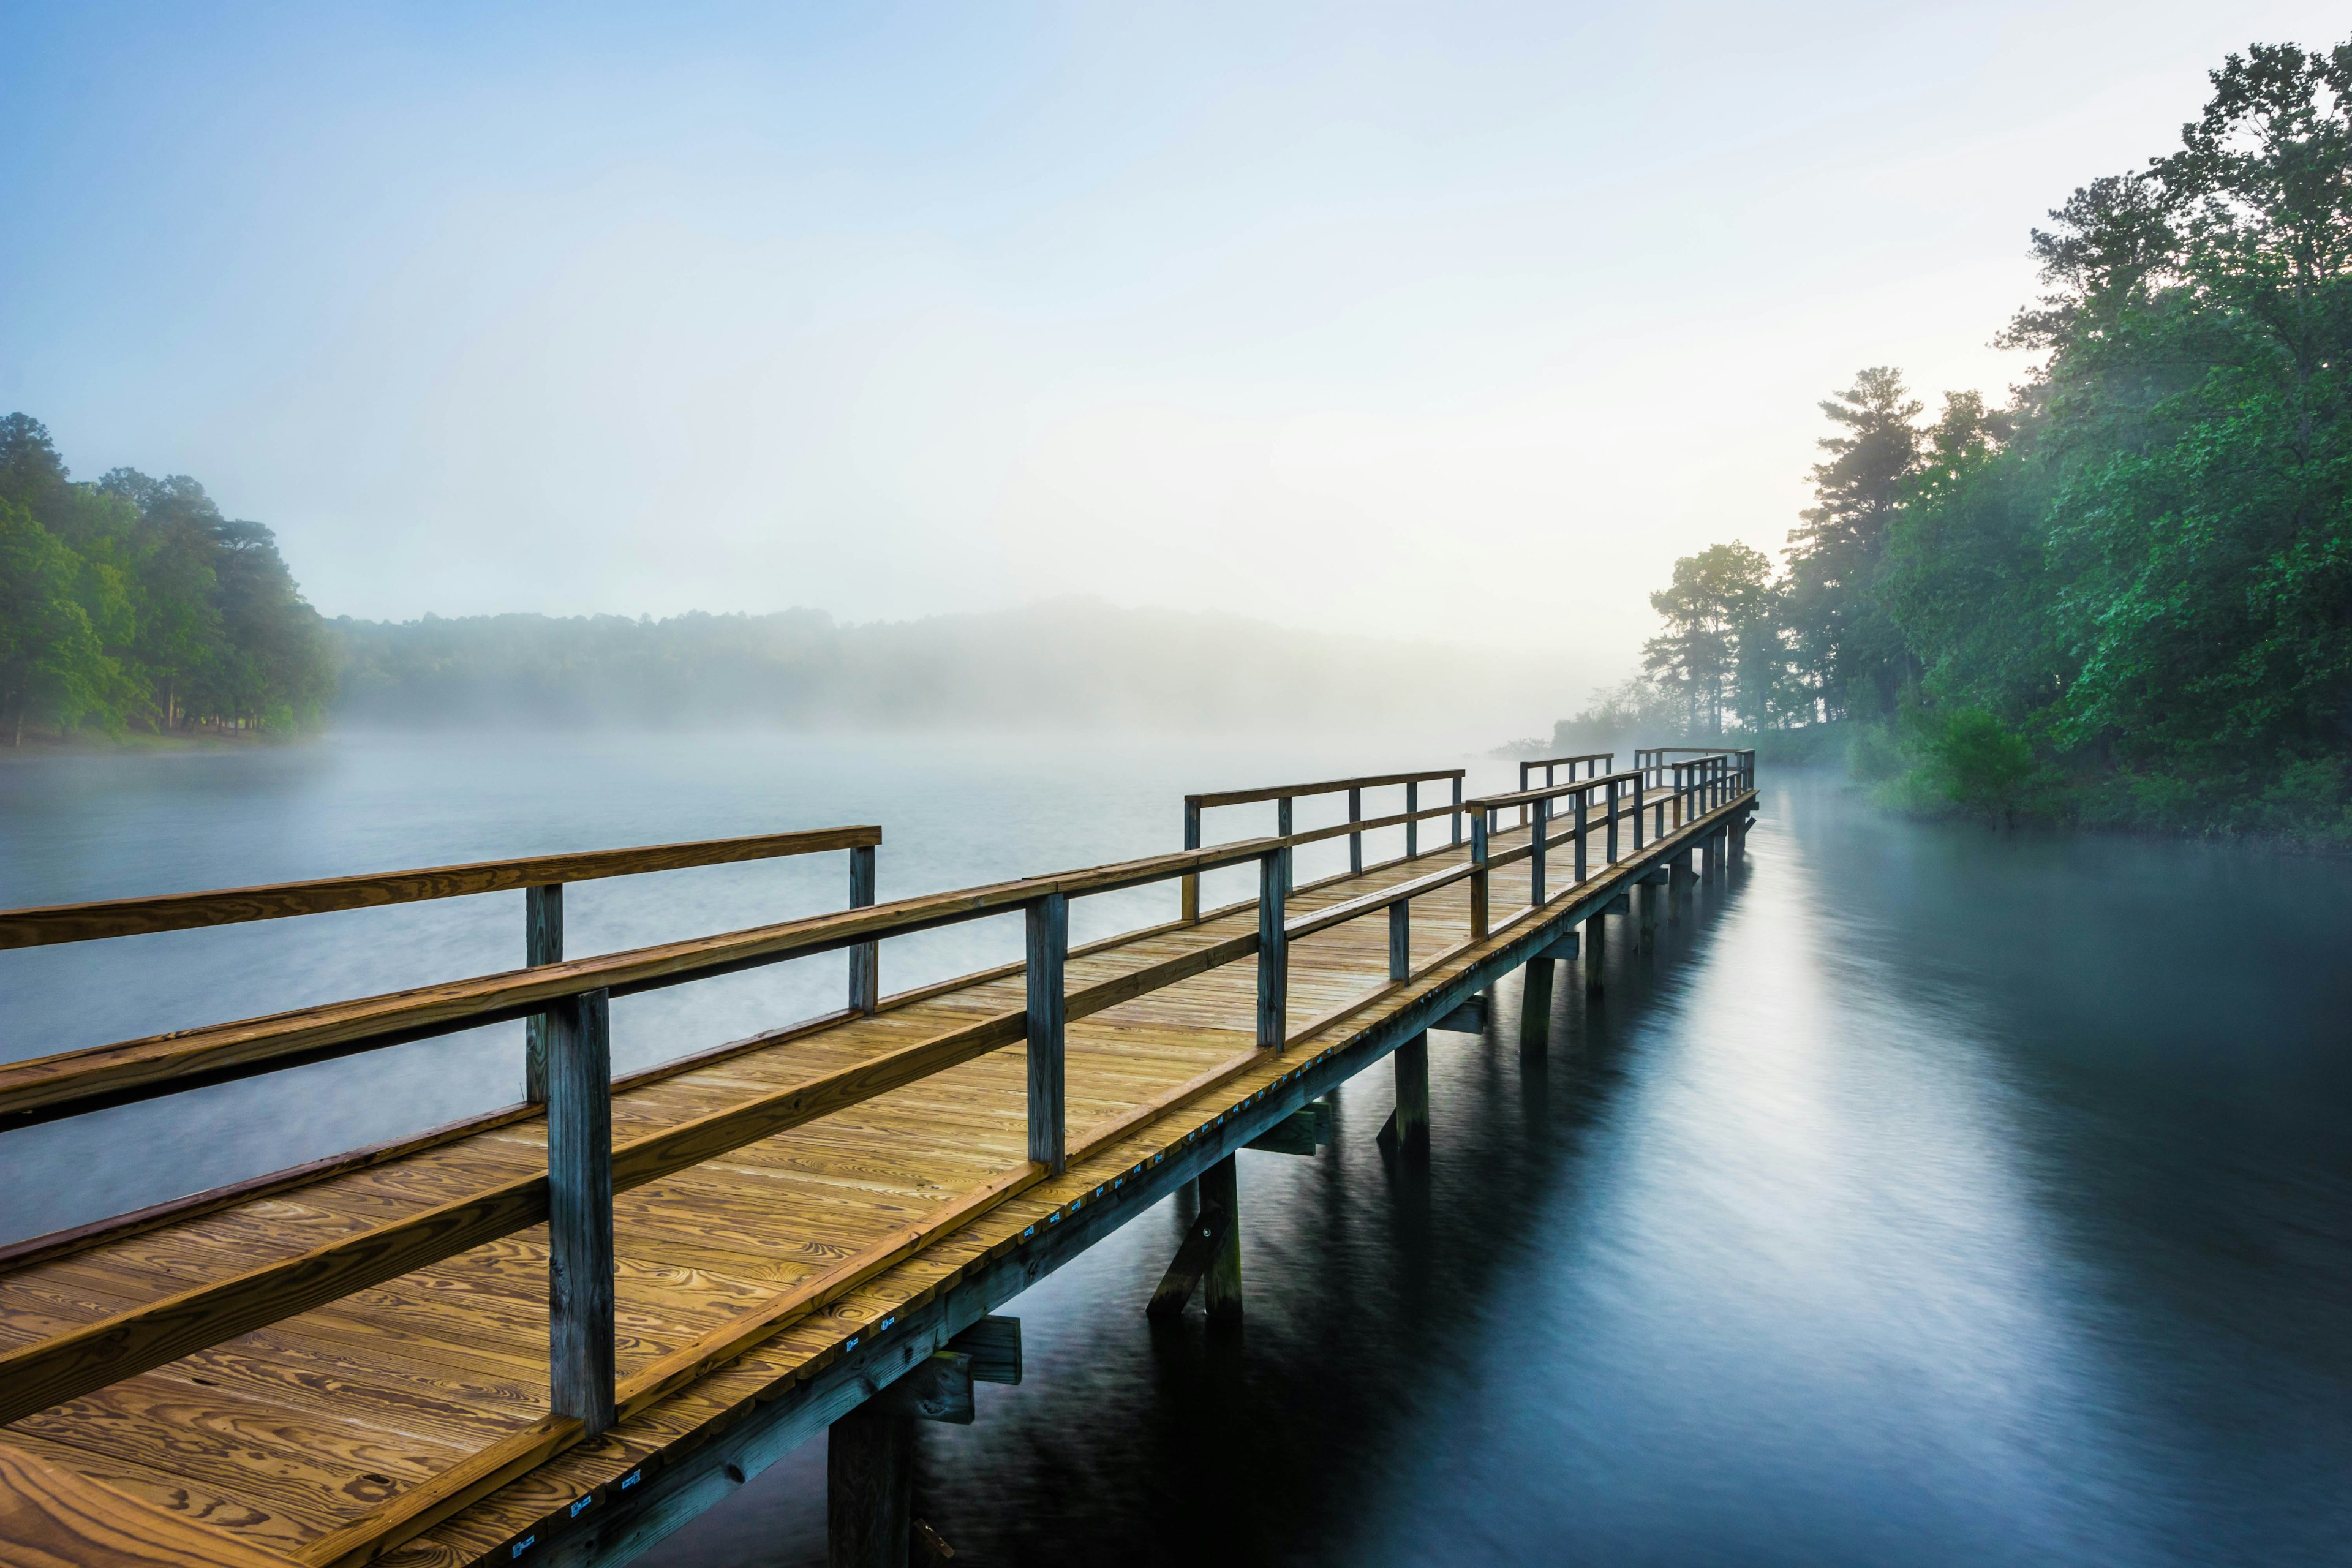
[[1273, 948], [1479, 878], [1583, 809], [1613, 783], [1190, 885], [1638, 791], [1523, 785], [1401, 940], [1412, 828], [542, 942], [1457, 808], [1355, 840], [1536, 855], [580, 1210], [1049, 947], [866, 958], [1282, 817]]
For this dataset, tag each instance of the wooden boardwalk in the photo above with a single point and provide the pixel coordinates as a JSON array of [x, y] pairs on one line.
[[271, 1410]]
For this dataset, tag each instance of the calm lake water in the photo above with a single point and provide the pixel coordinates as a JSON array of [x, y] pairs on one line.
[[1931, 1194]]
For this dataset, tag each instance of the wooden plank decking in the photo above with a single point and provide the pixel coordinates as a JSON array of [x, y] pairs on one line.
[[409, 1422]]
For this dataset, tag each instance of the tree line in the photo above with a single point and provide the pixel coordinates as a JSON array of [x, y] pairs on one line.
[[2126, 596], [134, 603]]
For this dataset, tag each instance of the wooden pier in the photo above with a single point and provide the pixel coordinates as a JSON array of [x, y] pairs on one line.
[[556, 1331]]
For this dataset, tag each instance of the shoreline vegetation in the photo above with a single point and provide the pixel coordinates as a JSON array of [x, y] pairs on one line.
[[2124, 598]]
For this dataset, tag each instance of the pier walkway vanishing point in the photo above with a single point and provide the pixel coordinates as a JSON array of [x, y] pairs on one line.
[[556, 1331]]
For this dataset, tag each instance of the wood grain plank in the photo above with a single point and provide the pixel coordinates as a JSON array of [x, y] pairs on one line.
[[53, 1517]]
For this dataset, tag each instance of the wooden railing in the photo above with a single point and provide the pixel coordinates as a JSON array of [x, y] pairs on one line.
[[1285, 796], [584, 1169], [541, 877], [1594, 764], [1704, 777]]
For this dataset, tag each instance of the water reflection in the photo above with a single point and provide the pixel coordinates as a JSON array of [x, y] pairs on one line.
[[1901, 1205]]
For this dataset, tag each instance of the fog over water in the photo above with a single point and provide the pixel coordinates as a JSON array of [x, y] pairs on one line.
[[1932, 1195]]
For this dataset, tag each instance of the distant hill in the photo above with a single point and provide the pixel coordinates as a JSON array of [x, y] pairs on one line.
[[1063, 663]]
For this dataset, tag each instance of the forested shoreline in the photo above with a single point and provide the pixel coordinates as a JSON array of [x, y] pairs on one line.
[[132, 602], [2124, 597]]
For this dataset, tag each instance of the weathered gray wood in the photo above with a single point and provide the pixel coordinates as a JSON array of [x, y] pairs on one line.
[[1612, 832], [1400, 940], [1534, 1007], [1412, 1096], [1295, 1134], [1355, 840], [1563, 950], [1049, 948], [1189, 895], [1583, 804], [1412, 829], [866, 958], [1221, 1188], [580, 1212], [937, 1388], [1469, 1018], [1204, 1239], [1457, 809], [1273, 951], [1481, 879], [869, 1476], [542, 942], [993, 1346], [1542, 830]]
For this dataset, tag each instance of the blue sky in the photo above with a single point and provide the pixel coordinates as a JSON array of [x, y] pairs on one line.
[[1454, 322]]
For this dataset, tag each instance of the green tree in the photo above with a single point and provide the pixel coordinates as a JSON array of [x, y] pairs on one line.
[[1722, 650], [134, 599], [1848, 646], [55, 611]]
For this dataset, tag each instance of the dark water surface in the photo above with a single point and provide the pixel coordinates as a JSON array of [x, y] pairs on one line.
[[1930, 1195], [1933, 1197]]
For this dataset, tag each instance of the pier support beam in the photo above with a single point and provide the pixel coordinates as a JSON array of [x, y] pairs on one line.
[[1534, 1008], [869, 1473], [1596, 952], [1407, 1130], [1204, 1241], [1221, 1188]]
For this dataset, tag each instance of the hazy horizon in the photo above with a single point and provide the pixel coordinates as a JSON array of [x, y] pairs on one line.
[[1458, 329]]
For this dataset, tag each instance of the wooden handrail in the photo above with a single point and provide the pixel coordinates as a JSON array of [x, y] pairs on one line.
[[39, 1375], [1329, 786], [72, 1082], [50, 1371], [1549, 792], [230, 906], [1554, 762]]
